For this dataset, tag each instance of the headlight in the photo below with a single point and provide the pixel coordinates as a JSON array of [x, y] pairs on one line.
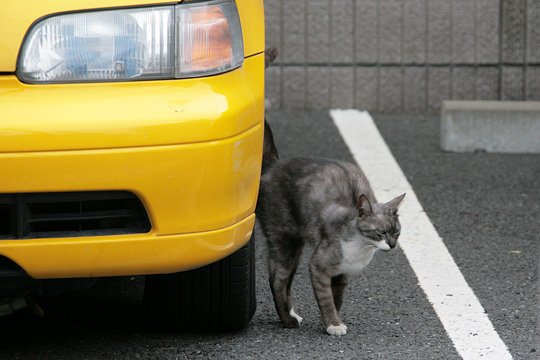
[[186, 40]]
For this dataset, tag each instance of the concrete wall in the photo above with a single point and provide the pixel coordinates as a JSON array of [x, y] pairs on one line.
[[401, 55]]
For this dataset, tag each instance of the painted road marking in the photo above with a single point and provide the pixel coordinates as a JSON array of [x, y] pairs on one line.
[[456, 305]]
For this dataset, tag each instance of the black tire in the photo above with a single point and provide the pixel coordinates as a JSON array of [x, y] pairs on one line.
[[217, 297]]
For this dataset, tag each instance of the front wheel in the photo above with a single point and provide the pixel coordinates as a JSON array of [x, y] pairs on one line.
[[219, 296]]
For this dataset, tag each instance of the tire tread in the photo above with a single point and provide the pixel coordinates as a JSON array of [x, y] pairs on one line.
[[217, 297]]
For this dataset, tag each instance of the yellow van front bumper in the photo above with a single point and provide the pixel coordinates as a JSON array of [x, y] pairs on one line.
[[189, 149]]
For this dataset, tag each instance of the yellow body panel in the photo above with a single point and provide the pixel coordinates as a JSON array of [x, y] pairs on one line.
[[128, 114], [16, 17], [185, 188], [190, 149]]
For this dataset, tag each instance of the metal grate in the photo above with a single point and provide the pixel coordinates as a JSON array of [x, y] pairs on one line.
[[73, 214]]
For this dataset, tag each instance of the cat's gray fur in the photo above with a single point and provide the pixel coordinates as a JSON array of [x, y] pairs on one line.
[[330, 205]]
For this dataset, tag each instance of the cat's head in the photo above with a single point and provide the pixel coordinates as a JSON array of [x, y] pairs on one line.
[[379, 222]]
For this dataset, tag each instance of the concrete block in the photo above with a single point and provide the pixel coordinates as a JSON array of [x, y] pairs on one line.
[[366, 88], [318, 24], [272, 17], [487, 31], [414, 32], [342, 31], [294, 87], [342, 87], [273, 87], [318, 88], [533, 83], [492, 126], [294, 30], [533, 31], [391, 83], [512, 83], [463, 37], [414, 94], [439, 39], [366, 31], [513, 30], [438, 87], [391, 31], [463, 83], [487, 83]]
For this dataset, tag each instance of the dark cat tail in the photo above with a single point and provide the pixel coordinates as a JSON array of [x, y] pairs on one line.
[[270, 55], [270, 153]]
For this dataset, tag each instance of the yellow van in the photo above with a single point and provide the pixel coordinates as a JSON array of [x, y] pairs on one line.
[[131, 136]]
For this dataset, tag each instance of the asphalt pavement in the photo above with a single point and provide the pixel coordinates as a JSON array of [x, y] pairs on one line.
[[485, 207]]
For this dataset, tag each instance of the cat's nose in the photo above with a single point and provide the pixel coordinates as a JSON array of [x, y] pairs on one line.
[[392, 244]]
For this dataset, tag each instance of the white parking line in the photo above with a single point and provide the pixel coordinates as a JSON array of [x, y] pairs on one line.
[[456, 305]]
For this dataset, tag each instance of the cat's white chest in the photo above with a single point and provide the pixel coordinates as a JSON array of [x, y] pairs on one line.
[[356, 256]]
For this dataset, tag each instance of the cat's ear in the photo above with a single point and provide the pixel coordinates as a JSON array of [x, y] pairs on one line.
[[363, 205], [393, 204]]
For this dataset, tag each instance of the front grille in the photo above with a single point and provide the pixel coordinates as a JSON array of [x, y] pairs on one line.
[[47, 215]]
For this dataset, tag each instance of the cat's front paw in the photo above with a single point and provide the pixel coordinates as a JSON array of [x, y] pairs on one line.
[[337, 330]]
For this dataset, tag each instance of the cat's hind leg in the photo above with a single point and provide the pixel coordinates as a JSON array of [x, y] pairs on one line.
[[297, 255], [283, 262]]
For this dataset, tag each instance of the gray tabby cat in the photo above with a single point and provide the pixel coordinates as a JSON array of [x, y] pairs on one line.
[[330, 205]]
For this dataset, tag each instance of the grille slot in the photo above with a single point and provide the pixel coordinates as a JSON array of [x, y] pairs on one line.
[[46, 215], [5, 221]]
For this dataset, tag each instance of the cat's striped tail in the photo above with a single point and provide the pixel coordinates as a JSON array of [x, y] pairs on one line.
[[270, 153]]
